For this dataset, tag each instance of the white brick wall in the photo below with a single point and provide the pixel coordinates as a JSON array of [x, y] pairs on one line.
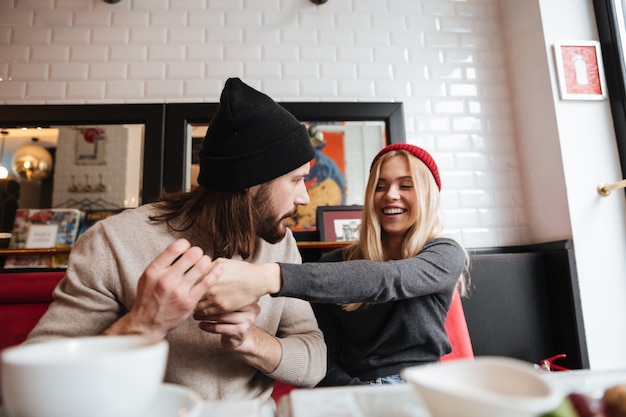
[[443, 59]]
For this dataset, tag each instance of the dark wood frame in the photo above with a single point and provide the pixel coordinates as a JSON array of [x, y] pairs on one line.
[[614, 69], [326, 216], [179, 115], [150, 115]]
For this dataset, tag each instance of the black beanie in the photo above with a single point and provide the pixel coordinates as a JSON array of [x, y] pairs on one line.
[[251, 140]]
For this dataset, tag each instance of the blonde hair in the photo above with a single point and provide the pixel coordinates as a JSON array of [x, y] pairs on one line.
[[426, 224]]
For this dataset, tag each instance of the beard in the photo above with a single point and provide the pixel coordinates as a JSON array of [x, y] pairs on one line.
[[269, 225]]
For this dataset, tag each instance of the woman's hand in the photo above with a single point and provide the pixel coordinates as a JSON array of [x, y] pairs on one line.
[[239, 285]]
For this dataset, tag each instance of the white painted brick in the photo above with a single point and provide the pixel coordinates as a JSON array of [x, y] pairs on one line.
[[375, 71], [128, 53], [65, 71], [406, 7], [281, 88], [225, 4], [396, 54], [319, 54], [186, 35], [243, 20], [146, 71], [158, 89], [28, 72], [122, 89], [475, 198], [32, 36], [319, 88], [67, 36], [88, 18], [433, 124], [280, 53], [207, 19], [167, 18], [10, 90], [493, 143], [148, 35], [453, 143], [131, 19], [109, 36], [465, 90], [438, 8], [452, 107], [270, 6], [479, 237], [445, 72], [166, 53], [243, 53], [492, 181], [363, 89], [268, 37], [309, 21], [50, 54], [45, 89], [477, 10], [86, 89], [460, 218], [443, 40], [456, 25], [389, 21], [224, 70], [54, 19], [205, 53], [151, 5], [201, 88], [301, 70], [15, 53], [5, 35], [423, 24], [263, 70], [70, 4], [360, 54], [472, 161], [17, 18], [391, 88], [95, 53], [417, 75], [228, 35], [467, 124], [338, 70], [187, 5], [372, 37], [108, 71], [185, 70], [496, 217], [34, 4], [341, 38], [423, 56], [300, 37]]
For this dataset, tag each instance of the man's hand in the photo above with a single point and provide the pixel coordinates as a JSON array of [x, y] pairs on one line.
[[168, 291], [234, 327], [239, 285], [239, 335]]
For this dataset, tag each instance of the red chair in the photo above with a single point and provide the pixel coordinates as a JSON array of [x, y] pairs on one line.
[[456, 327]]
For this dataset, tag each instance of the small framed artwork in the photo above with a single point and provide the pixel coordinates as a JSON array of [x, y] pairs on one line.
[[338, 223], [580, 70]]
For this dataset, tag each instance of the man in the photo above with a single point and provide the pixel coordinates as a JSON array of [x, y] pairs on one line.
[[144, 270]]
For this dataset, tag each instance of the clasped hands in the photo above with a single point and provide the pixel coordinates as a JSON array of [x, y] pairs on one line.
[[182, 281]]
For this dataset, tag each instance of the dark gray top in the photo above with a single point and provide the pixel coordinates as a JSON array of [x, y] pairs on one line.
[[381, 339]]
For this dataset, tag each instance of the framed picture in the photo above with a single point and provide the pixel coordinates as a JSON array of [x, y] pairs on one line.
[[580, 70], [338, 223]]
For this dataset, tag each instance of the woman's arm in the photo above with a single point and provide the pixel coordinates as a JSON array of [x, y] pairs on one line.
[[436, 269]]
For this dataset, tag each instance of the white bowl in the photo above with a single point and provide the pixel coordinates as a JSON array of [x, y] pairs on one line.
[[483, 387], [98, 376]]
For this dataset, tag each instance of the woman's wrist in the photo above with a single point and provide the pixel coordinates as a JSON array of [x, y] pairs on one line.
[[272, 278]]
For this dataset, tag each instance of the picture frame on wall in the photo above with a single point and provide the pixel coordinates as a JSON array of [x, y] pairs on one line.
[[580, 70], [339, 223]]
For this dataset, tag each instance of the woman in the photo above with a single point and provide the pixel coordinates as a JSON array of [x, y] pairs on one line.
[[372, 342], [394, 286]]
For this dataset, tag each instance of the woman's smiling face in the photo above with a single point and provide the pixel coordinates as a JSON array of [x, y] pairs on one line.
[[395, 198]]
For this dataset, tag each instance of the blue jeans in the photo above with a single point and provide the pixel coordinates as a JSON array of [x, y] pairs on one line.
[[390, 379]]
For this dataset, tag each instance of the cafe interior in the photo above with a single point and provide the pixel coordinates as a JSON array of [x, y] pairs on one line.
[[105, 104]]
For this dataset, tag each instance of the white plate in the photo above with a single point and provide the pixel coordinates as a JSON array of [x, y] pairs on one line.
[[175, 401]]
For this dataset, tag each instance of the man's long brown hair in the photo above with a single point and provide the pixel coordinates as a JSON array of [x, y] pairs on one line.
[[221, 221]]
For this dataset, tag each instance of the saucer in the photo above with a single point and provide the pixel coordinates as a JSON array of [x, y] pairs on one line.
[[175, 401]]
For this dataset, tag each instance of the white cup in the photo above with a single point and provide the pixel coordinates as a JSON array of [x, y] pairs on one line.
[[97, 376]]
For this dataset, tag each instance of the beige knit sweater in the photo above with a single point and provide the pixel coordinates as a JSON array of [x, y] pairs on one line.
[[100, 286]]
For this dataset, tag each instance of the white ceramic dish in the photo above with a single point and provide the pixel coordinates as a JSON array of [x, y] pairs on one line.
[[483, 387], [175, 401]]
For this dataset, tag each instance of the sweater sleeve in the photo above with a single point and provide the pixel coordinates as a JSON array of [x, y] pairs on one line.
[[436, 269]]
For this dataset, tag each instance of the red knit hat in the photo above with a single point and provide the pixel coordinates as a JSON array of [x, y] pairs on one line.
[[416, 151]]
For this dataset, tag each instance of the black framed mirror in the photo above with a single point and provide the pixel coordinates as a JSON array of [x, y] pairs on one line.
[[149, 118], [363, 128]]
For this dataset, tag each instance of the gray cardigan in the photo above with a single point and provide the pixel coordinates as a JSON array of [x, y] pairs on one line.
[[381, 339]]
